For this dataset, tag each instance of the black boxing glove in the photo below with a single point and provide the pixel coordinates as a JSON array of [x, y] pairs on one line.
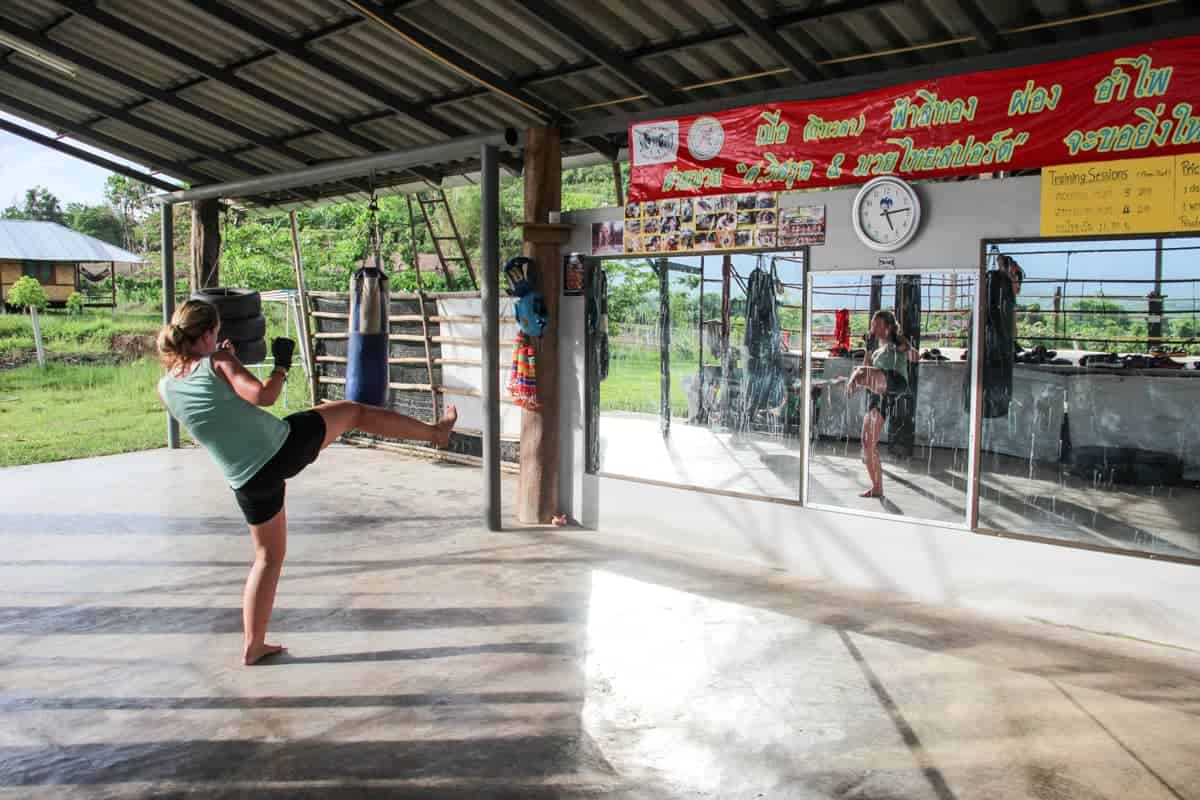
[[282, 349]]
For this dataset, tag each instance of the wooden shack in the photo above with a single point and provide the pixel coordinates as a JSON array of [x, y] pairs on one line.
[[60, 259]]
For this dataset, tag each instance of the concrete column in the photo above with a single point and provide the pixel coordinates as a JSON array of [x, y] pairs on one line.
[[168, 295], [489, 286]]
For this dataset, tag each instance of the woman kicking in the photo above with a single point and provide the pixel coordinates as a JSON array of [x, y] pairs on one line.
[[208, 390], [884, 374]]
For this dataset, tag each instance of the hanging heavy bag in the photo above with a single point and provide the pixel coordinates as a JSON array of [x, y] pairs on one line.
[[367, 354], [605, 355]]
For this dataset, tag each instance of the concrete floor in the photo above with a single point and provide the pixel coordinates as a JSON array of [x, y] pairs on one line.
[[632, 445], [431, 660]]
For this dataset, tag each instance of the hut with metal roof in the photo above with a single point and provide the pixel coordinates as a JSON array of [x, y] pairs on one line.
[[62, 260]]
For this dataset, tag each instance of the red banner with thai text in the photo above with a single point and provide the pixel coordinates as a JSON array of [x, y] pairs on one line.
[[1128, 103]]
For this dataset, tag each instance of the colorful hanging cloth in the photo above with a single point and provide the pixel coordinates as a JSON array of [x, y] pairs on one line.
[[522, 380]]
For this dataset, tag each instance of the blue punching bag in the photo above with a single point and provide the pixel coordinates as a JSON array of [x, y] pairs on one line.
[[367, 355]]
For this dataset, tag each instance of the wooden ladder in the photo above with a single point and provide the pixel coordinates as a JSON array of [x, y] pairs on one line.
[[429, 207]]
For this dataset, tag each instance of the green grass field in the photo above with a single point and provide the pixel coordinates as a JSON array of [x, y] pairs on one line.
[[66, 411], [81, 410], [633, 383], [91, 332]]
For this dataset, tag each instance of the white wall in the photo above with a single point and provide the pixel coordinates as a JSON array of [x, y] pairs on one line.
[[955, 216], [1067, 586]]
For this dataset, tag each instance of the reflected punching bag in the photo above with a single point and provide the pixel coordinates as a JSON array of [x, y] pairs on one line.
[[367, 354]]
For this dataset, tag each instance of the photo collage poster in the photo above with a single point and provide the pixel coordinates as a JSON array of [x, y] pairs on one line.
[[724, 222]]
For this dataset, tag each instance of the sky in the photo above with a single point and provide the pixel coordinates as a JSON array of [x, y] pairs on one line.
[[24, 164]]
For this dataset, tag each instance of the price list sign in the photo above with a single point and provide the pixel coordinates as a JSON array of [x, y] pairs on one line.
[[1135, 196]]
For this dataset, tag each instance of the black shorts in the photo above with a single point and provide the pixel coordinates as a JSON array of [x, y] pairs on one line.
[[261, 498], [885, 404]]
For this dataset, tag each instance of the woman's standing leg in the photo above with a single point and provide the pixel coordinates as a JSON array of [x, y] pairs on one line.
[[346, 415], [872, 427], [270, 547]]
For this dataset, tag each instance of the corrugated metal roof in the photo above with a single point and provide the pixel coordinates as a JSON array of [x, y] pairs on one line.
[[26, 240], [353, 85]]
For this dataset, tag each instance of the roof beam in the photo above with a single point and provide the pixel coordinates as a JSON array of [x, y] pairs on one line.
[[88, 10], [604, 52], [110, 112], [205, 152], [84, 155], [135, 84], [768, 37], [830, 11], [604, 146], [453, 58], [49, 119], [336, 171], [983, 28], [358, 81]]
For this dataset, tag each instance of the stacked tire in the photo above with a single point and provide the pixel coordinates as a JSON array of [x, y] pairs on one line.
[[242, 321]]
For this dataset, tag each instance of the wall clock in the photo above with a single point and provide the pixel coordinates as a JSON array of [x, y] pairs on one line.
[[887, 213]]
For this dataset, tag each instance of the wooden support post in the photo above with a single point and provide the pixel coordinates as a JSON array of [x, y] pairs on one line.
[[618, 182], [537, 493], [37, 336], [306, 346], [433, 393], [206, 244]]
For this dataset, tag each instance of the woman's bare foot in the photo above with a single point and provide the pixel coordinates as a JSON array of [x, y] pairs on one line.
[[256, 653], [872, 492], [441, 437]]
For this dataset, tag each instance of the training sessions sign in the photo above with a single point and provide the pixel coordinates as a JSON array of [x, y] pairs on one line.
[[1133, 102]]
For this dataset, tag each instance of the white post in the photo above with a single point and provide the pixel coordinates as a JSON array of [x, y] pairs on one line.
[[37, 337]]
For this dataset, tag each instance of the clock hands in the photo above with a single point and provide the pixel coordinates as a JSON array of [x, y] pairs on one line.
[[886, 214]]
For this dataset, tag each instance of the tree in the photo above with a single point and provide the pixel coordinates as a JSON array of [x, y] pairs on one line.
[[28, 293], [97, 221], [130, 198], [40, 204]]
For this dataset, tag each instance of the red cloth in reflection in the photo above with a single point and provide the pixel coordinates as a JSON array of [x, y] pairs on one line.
[[841, 333]]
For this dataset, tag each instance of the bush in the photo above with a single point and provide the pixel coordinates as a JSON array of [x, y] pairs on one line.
[[75, 303], [28, 293]]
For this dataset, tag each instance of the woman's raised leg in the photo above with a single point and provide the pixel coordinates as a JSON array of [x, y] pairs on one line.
[[346, 415], [872, 427], [270, 547]]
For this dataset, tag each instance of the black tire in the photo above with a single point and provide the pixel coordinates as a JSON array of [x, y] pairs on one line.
[[242, 330], [232, 303], [253, 351]]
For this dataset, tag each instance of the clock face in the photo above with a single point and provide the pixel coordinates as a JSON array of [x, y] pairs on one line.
[[887, 212]]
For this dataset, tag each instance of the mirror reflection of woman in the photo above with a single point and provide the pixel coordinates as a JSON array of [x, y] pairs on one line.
[[884, 375]]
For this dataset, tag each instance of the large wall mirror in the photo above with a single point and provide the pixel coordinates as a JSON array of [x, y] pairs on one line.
[[1090, 390], [702, 385], [888, 393]]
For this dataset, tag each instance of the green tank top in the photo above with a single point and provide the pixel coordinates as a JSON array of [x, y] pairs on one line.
[[890, 359], [239, 436]]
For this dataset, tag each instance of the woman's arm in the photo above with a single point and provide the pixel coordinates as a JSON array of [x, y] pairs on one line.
[[243, 382]]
